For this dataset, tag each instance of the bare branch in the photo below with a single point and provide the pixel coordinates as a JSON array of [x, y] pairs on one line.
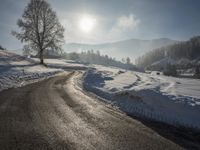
[[40, 27]]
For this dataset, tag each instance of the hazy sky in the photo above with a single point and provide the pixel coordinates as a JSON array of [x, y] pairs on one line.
[[111, 20]]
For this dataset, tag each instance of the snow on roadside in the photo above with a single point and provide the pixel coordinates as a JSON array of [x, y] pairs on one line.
[[166, 99], [17, 71], [63, 64], [20, 76]]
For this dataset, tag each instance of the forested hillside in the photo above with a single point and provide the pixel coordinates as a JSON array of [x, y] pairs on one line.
[[189, 50]]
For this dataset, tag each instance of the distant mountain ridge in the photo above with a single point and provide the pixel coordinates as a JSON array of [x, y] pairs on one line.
[[127, 48]]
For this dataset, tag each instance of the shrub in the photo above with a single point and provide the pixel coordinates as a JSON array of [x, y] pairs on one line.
[[197, 72], [170, 70], [1, 48]]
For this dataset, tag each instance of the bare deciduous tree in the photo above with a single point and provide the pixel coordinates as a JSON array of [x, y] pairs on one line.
[[40, 28], [128, 60]]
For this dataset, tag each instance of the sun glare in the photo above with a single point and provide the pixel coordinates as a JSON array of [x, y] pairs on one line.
[[87, 23]]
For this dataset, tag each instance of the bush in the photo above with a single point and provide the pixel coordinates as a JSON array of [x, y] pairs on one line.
[[197, 72], [1, 48], [170, 70]]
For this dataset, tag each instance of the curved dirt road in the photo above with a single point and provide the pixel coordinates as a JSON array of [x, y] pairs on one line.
[[56, 114]]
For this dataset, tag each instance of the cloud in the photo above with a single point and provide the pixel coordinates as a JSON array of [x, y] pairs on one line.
[[124, 27], [105, 29], [128, 22]]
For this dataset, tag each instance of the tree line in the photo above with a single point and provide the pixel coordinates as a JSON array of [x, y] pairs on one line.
[[93, 57]]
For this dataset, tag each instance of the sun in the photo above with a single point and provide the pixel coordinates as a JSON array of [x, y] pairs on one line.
[[87, 24]]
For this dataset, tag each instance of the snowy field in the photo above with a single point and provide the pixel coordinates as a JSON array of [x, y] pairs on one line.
[[63, 64], [17, 71], [166, 99]]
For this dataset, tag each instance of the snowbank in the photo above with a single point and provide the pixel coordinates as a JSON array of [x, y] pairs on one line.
[[17, 71], [167, 99], [64, 64]]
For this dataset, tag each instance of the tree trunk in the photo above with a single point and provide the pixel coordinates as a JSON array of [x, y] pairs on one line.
[[41, 57], [42, 61]]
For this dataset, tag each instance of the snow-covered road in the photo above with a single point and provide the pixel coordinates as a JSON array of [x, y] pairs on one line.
[[60, 107], [167, 99], [56, 114]]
